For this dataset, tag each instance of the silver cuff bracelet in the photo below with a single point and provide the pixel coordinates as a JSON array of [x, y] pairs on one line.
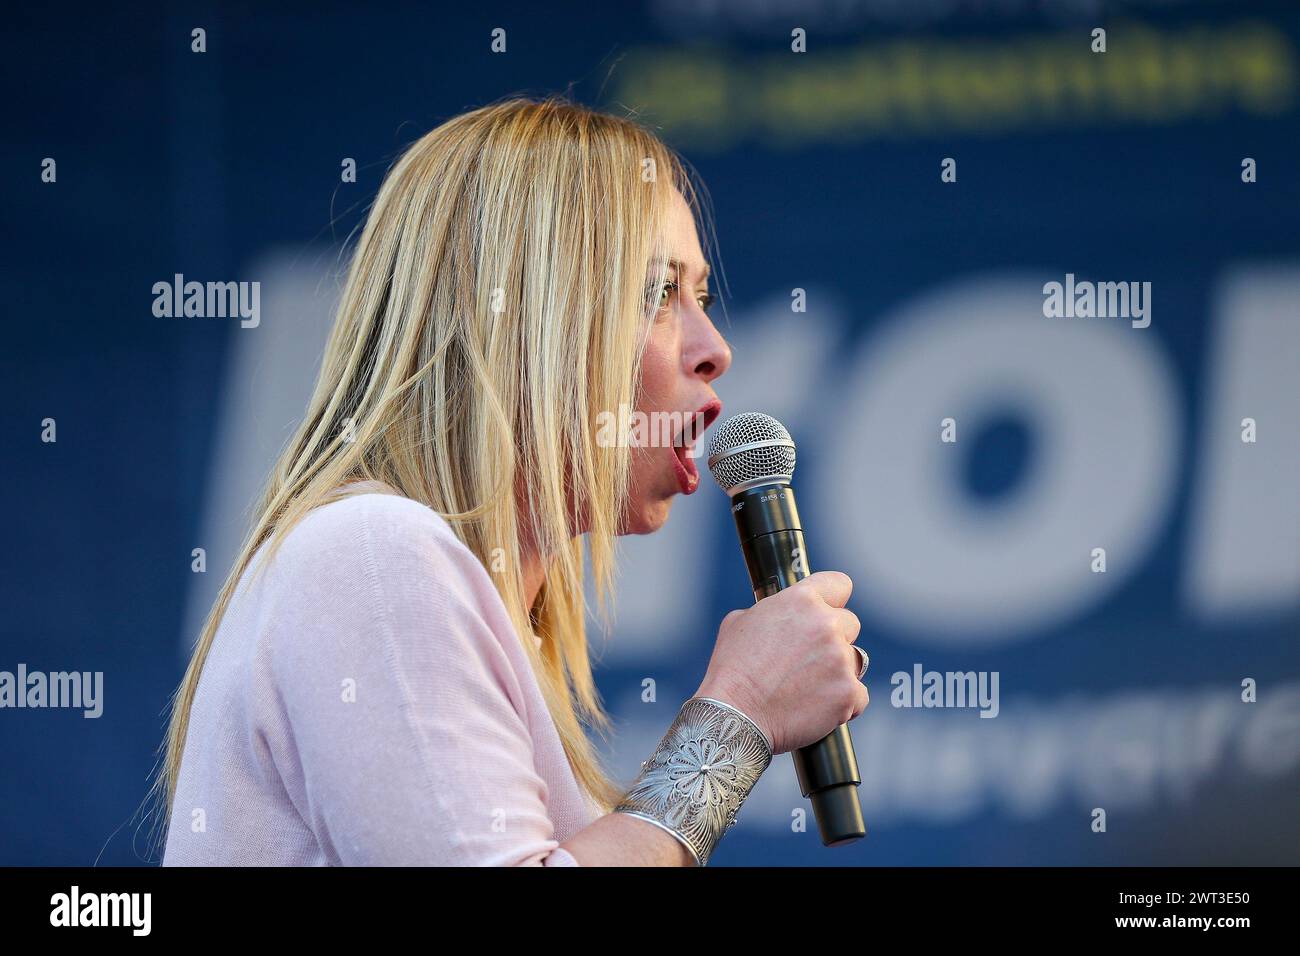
[[702, 771]]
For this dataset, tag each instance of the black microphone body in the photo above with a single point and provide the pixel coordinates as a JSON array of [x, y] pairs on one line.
[[771, 538]]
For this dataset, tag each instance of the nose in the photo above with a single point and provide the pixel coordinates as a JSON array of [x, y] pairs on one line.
[[707, 353]]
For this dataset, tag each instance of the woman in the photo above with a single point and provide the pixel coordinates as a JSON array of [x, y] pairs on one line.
[[396, 670]]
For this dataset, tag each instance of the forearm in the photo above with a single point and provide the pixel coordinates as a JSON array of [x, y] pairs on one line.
[[617, 839]]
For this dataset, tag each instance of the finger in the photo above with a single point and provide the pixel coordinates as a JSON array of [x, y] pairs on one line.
[[861, 659], [858, 661], [833, 586], [849, 625], [861, 701], [854, 660]]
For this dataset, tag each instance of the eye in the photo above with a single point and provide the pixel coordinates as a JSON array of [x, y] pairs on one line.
[[667, 292], [706, 301]]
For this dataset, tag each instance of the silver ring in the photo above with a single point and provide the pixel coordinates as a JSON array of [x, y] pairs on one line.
[[865, 660]]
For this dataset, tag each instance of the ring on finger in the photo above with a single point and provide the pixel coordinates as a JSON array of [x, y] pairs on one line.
[[865, 660]]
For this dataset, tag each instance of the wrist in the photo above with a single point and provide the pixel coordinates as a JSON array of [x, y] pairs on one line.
[[741, 696], [694, 783]]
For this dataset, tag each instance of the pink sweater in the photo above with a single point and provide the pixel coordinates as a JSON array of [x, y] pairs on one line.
[[367, 702]]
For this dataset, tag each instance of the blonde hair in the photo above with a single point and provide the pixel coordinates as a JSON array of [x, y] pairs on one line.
[[495, 304]]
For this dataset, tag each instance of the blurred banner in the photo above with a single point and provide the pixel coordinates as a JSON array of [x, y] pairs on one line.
[[1030, 310]]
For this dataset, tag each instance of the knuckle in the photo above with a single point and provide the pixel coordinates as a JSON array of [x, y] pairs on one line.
[[860, 703], [851, 694]]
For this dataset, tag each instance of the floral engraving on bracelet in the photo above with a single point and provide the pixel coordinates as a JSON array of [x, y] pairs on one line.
[[701, 773]]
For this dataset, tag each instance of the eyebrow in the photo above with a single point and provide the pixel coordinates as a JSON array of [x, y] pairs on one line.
[[682, 269]]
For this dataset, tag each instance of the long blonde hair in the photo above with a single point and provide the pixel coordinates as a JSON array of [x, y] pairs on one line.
[[495, 304]]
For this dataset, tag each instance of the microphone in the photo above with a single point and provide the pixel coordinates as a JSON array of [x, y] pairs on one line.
[[752, 458]]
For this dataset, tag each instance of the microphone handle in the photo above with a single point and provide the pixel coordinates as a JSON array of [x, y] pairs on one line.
[[771, 538]]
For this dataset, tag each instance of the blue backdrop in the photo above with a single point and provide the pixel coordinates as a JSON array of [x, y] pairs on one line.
[[1120, 690]]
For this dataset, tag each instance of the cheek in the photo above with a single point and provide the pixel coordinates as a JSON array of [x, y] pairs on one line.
[[651, 471], [658, 370]]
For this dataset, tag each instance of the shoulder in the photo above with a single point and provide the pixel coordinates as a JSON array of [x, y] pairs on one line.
[[386, 558], [378, 588], [350, 519], [372, 532]]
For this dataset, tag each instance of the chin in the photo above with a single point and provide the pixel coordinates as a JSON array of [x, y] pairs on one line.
[[648, 517]]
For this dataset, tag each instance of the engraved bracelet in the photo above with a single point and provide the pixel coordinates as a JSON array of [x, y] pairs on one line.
[[699, 775]]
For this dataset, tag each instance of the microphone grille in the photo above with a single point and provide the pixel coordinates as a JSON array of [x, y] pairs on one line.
[[750, 449]]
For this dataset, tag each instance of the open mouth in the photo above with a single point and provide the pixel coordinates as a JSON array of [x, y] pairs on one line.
[[684, 454]]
